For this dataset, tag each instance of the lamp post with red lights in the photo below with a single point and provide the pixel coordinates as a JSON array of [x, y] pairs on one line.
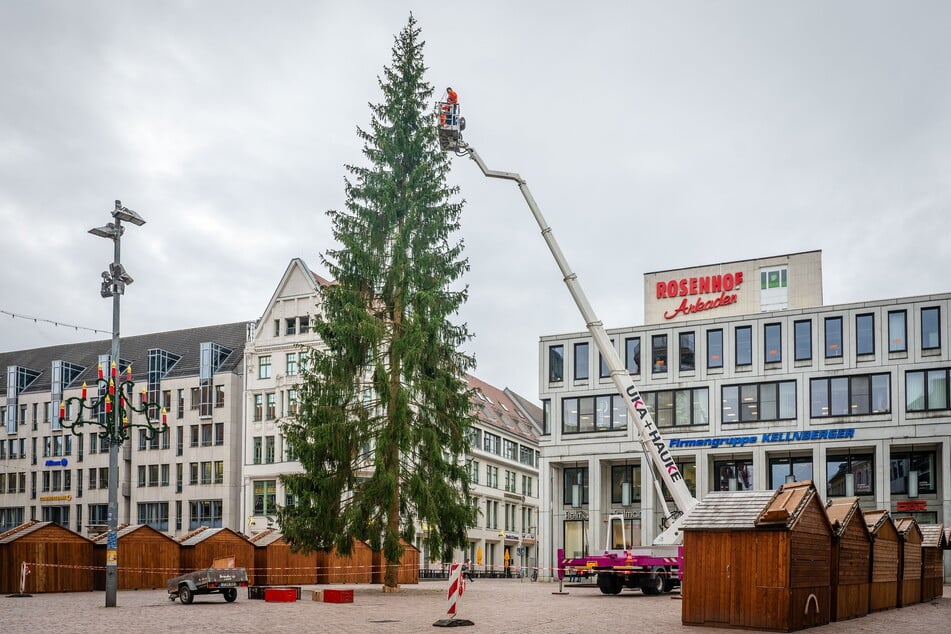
[[112, 405]]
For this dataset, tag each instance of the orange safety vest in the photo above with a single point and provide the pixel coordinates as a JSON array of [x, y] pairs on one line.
[[453, 97]]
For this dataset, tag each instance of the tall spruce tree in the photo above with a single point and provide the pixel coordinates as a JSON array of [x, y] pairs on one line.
[[384, 408]]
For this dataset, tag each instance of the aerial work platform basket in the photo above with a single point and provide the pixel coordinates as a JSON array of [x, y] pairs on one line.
[[449, 125]]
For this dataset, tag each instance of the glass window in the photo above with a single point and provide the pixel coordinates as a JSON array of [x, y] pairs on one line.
[[291, 361], [264, 366], [687, 351], [581, 361], [593, 413], [632, 354], [733, 475], [625, 473], [803, 340], [912, 464], [865, 334], [714, 349], [759, 402], [265, 497], [659, 354], [773, 336], [926, 390], [851, 395], [850, 474], [833, 337], [897, 331], [556, 364], [783, 469], [546, 417], [603, 370], [744, 345], [930, 329], [576, 476]]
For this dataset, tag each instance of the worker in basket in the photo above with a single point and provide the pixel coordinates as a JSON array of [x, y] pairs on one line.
[[450, 108]]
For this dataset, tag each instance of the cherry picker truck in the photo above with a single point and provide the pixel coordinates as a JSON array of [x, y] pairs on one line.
[[653, 569]]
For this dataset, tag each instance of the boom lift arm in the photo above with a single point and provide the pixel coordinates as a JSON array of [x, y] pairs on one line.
[[647, 433]]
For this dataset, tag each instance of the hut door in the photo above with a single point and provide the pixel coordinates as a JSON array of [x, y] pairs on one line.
[[717, 583]]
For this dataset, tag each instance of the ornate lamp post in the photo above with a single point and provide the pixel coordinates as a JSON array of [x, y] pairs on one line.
[[112, 406]]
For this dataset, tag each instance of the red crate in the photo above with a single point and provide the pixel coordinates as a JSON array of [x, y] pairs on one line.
[[280, 595], [338, 596]]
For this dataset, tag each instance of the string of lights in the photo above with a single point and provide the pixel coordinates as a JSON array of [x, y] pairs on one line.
[[50, 321]]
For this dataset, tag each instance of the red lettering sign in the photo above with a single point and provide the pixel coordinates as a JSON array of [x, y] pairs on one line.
[[911, 505], [699, 285]]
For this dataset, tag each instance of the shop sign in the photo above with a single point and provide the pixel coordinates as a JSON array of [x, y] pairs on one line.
[[576, 515], [626, 514], [57, 463], [693, 289], [911, 505], [56, 498], [773, 437]]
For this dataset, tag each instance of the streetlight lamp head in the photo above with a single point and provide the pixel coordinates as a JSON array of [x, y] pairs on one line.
[[124, 213], [108, 231]]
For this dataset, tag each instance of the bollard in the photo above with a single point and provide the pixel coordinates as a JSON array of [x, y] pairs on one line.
[[457, 586]]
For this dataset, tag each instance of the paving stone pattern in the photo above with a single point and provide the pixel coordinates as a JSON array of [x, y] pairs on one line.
[[499, 606]]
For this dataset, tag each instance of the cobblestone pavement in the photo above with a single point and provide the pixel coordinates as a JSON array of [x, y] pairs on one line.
[[500, 606]]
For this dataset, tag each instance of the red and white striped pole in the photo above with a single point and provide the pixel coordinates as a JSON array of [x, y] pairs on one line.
[[457, 586]]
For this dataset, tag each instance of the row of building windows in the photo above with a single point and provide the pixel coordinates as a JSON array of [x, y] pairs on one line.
[[856, 395], [492, 478], [897, 330], [911, 473], [509, 449], [265, 405], [294, 364], [290, 326], [489, 517]]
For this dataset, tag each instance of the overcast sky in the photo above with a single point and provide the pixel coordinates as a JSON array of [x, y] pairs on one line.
[[653, 135]]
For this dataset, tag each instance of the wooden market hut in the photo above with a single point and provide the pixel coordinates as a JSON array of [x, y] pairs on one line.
[[758, 560], [883, 586], [333, 567], [409, 565], [275, 564], [909, 588], [200, 548], [851, 558], [933, 544], [147, 558], [59, 559]]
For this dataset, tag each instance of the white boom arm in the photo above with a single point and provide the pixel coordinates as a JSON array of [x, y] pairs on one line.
[[650, 438]]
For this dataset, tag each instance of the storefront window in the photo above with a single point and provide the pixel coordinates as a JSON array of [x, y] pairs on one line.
[[784, 469], [576, 476], [850, 474], [576, 543], [733, 475], [625, 473], [910, 466]]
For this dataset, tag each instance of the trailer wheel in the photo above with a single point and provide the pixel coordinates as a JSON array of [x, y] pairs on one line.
[[653, 583], [185, 594], [610, 584], [230, 594]]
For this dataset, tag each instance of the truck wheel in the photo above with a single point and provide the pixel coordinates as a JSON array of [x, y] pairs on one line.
[[653, 583], [186, 595], [610, 584], [230, 594]]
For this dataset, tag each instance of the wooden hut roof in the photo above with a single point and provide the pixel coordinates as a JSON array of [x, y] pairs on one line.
[[787, 504], [904, 525], [199, 535], [842, 511], [933, 536], [266, 537], [876, 519], [124, 529], [727, 510], [31, 527]]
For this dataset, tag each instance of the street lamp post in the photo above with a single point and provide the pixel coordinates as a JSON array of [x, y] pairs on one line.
[[112, 406]]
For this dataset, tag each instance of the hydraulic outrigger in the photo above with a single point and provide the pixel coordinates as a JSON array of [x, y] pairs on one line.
[[652, 568]]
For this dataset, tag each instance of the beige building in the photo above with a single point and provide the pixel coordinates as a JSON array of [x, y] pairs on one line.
[[173, 482]]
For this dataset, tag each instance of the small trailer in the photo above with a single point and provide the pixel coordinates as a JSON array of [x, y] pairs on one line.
[[221, 578]]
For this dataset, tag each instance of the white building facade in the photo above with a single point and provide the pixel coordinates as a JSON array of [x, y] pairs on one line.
[[753, 382], [174, 482]]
